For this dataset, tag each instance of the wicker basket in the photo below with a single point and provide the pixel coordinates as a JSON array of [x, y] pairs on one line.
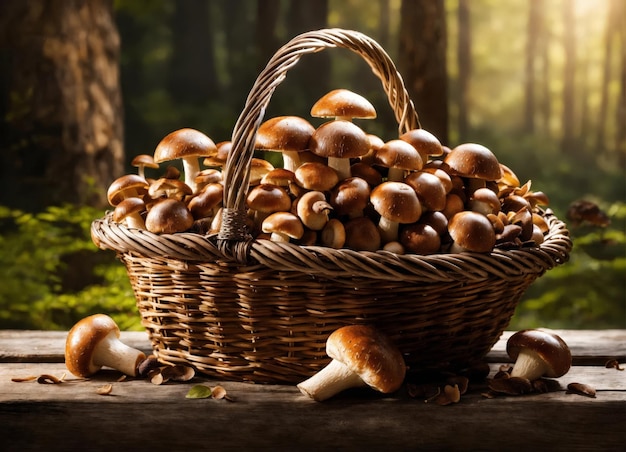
[[260, 311]]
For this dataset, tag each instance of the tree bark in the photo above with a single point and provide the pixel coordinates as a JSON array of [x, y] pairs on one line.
[[422, 62], [62, 127], [464, 59]]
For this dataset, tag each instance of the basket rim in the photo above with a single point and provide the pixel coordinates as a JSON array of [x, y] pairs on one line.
[[334, 263]]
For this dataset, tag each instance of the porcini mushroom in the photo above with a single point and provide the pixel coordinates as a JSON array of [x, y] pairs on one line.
[[288, 135], [399, 157], [396, 202], [471, 231], [361, 356], [537, 353], [188, 145], [93, 343], [339, 141], [343, 104]]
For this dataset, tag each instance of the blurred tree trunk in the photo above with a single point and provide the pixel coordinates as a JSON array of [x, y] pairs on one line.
[[192, 77], [568, 139], [465, 68], [267, 40], [620, 113], [62, 129], [422, 61], [384, 37], [533, 35], [611, 32], [545, 102]]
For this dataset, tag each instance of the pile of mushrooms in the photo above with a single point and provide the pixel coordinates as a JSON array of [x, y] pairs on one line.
[[340, 187]]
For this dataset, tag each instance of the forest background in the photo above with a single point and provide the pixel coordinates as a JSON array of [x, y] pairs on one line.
[[541, 83]]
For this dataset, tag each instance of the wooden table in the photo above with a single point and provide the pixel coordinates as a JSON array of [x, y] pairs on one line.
[[139, 415]]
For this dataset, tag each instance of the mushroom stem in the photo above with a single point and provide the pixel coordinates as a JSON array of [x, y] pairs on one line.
[[395, 174], [191, 168], [331, 380], [291, 160], [111, 352], [388, 229], [341, 166], [528, 365]]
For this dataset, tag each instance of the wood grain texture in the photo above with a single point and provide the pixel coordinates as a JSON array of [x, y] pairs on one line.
[[138, 415]]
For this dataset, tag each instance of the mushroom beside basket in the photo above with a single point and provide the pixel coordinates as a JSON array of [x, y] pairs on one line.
[[239, 307]]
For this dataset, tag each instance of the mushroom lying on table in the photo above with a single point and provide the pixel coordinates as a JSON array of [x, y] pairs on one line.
[[538, 353], [361, 356], [94, 342]]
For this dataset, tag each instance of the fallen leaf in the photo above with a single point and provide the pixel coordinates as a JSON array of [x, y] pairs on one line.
[[22, 379], [199, 392], [105, 390]]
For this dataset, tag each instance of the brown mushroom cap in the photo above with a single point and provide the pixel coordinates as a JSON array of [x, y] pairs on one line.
[[184, 143], [425, 142], [84, 354], [316, 176], [474, 161], [343, 103], [168, 216], [127, 186], [545, 346], [429, 189], [420, 238], [350, 197], [288, 135], [129, 211], [472, 231], [142, 161], [398, 156], [370, 354], [339, 141], [188, 145], [283, 226], [284, 133]]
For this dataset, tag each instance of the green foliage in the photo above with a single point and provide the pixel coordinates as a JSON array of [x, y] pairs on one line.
[[590, 290], [53, 275]]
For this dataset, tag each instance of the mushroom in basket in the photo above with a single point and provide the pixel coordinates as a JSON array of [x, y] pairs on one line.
[[361, 356]]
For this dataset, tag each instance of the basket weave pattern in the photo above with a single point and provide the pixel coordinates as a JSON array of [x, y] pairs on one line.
[[256, 310]]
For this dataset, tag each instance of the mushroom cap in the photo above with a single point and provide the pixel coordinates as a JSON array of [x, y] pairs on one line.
[[268, 198], [398, 154], [546, 346], [343, 103], [350, 195], [474, 161], [397, 202], [472, 231], [316, 176], [425, 142], [128, 207], [284, 133], [420, 238], [339, 139], [429, 188], [144, 160], [129, 183], [184, 143], [283, 223], [485, 201], [82, 341], [207, 201], [168, 216], [362, 234], [369, 353]]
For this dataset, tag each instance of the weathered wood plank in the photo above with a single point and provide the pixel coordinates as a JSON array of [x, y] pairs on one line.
[[143, 416], [588, 347]]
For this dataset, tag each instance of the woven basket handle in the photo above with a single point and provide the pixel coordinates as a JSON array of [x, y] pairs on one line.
[[237, 168]]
